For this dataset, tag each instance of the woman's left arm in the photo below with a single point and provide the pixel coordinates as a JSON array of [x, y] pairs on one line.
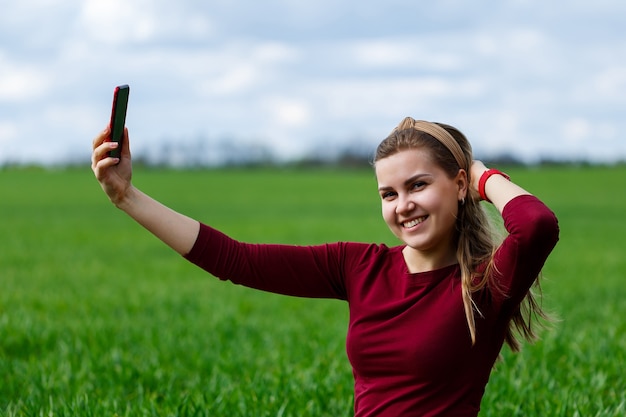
[[532, 231]]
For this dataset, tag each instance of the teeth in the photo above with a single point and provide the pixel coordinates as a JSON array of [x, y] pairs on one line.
[[414, 222]]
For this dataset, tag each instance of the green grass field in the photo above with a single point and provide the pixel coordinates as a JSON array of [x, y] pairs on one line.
[[98, 318]]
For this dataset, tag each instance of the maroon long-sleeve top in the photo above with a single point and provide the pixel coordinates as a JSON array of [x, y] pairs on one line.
[[408, 339]]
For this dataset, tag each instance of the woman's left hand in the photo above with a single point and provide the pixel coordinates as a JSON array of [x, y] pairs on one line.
[[476, 171]]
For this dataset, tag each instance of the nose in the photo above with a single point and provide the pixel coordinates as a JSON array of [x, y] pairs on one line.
[[405, 205]]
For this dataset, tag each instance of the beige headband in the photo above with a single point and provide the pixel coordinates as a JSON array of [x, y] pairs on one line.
[[444, 137]]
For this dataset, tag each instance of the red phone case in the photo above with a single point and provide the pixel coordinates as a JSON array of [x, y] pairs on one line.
[[118, 117]]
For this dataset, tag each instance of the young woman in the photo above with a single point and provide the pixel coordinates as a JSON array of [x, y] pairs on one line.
[[427, 318]]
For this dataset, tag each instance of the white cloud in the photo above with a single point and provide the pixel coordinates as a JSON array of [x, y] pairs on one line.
[[233, 81], [500, 132], [527, 40], [274, 53], [365, 98], [575, 131], [21, 82], [288, 112], [59, 117], [401, 54], [237, 68], [8, 132], [118, 22], [610, 84]]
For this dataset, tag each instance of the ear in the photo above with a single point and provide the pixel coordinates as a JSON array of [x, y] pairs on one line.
[[461, 181]]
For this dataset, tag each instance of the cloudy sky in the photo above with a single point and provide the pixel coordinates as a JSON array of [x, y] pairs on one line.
[[527, 77]]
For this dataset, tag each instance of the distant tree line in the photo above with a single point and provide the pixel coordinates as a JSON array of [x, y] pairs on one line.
[[231, 152], [353, 154]]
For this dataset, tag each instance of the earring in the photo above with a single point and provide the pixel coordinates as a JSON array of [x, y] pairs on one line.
[[462, 201]]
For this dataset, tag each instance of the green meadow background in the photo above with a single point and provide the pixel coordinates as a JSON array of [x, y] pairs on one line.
[[98, 318]]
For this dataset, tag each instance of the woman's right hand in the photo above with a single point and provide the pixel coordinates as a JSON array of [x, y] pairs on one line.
[[113, 174]]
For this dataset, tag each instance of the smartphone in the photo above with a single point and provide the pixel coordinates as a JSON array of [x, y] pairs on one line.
[[118, 117]]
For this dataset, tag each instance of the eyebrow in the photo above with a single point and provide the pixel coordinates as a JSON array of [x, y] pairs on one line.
[[407, 182]]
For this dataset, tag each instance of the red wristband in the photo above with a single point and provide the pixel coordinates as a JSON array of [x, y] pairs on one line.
[[483, 180]]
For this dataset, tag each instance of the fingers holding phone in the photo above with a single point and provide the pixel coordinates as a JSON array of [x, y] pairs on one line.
[[102, 147], [113, 174]]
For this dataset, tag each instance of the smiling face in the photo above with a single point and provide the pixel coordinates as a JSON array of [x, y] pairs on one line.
[[420, 203]]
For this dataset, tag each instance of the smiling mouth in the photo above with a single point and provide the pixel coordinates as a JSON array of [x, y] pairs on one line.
[[414, 222]]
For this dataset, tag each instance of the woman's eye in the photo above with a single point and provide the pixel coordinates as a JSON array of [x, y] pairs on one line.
[[387, 195], [418, 185]]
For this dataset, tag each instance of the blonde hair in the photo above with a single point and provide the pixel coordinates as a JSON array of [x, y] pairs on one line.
[[476, 238]]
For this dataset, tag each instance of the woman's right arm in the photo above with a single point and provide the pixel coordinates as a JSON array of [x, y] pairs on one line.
[[176, 230]]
